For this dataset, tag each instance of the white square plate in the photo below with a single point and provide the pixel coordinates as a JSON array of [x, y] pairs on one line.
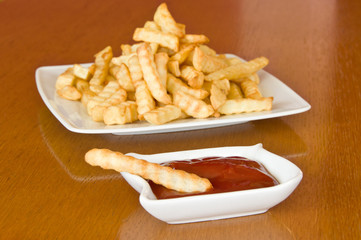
[[220, 205], [74, 117]]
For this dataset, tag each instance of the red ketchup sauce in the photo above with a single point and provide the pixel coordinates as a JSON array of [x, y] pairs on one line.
[[226, 174]]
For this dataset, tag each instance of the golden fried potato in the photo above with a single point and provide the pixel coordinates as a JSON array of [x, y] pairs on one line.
[[194, 38], [234, 91], [143, 98], [173, 67], [246, 105], [161, 61], [239, 70], [67, 78], [166, 22], [193, 77], [250, 89], [151, 75], [125, 112], [192, 106], [122, 75], [207, 63], [81, 72], [70, 93], [102, 60], [163, 115], [168, 177], [164, 39], [174, 85]]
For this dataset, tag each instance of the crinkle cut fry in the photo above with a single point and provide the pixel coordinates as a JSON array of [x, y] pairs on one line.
[[178, 180]]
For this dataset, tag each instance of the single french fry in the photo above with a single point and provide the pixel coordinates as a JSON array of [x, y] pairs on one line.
[[250, 89], [81, 85], [234, 91], [194, 38], [161, 61], [219, 91], [152, 26], [163, 115], [135, 69], [143, 98], [166, 50], [96, 88], [70, 93], [166, 22], [164, 39], [87, 94], [102, 60], [246, 105], [126, 49], [192, 106], [125, 112], [194, 78], [122, 75], [121, 59], [178, 180], [67, 78], [206, 63], [173, 67], [151, 76], [239, 70], [184, 52], [81, 72], [174, 85]]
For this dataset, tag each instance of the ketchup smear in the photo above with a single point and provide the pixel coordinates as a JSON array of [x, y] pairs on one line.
[[226, 174]]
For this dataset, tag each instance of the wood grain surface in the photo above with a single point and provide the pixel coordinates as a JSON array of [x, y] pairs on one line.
[[47, 191]]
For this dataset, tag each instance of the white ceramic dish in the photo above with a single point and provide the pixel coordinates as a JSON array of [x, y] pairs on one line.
[[75, 118], [221, 205]]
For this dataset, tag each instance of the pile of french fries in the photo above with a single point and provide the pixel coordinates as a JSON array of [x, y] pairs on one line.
[[166, 75]]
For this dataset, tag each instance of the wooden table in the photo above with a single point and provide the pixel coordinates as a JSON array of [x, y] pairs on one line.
[[49, 192]]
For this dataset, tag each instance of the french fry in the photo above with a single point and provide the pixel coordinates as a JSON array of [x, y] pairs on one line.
[[81, 85], [178, 180], [250, 89], [194, 38], [173, 67], [174, 85], [163, 115], [161, 61], [102, 60], [152, 26], [67, 78], [219, 91], [182, 55], [135, 69], [166, 22], [125, 112], [151, 76], [246, 105], [239, 70], [87, 94], [81, 72], [192, 106], [206, 63], [126, 49], [70, 93], [122, 75], [143, 98], [234, 91], [194, 78], [164, 39]]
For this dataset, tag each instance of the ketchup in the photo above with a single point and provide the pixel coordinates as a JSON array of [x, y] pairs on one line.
[[226, 174]]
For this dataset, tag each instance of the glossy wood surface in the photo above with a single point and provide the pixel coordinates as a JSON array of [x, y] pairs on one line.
[[47, 191]]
